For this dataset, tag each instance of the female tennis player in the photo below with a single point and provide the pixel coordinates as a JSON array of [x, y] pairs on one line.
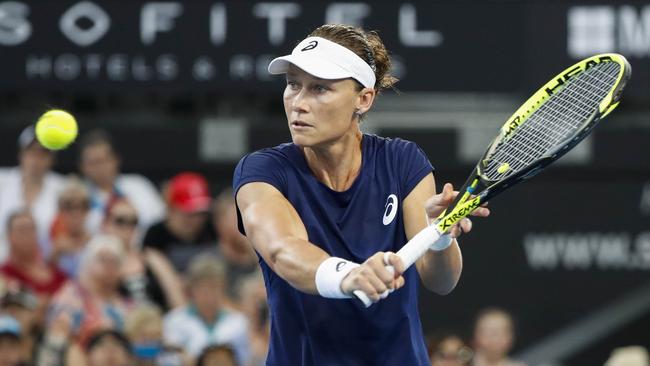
[[327, 212]]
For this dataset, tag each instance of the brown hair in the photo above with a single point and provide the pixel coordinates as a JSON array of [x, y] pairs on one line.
[[366, 44]]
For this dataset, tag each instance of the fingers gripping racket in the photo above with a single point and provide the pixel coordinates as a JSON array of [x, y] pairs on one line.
[[549, 124]]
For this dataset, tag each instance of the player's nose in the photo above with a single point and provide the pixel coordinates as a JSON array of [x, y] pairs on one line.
[[299, 103]]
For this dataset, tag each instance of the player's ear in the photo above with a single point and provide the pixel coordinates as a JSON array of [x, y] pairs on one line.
[[365, 98]]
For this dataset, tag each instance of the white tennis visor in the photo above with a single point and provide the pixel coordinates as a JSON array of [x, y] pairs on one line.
[[326, 60]]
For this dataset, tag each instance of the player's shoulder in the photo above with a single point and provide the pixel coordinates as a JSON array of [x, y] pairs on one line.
[[280, 155], [388, 142], [391, 145], [282, 151]]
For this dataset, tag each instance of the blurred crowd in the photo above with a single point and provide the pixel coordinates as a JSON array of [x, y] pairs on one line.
[[491, 341], [103, 268]]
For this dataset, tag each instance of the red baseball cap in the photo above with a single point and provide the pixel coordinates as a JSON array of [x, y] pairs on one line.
[[189, 192]]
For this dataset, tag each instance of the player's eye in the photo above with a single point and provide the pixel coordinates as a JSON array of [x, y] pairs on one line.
[[319, 88], [292, 85]]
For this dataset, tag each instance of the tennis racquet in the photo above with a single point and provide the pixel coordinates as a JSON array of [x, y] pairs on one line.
[[549, 124]]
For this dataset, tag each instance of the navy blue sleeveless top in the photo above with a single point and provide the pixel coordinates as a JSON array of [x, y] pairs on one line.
[[354, 224]]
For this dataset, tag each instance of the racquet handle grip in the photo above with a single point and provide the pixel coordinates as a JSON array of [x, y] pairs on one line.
[[418, 245], [410, 252], [361, 296]]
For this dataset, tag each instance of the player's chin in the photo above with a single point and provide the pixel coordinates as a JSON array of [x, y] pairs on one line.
[[302, 139]]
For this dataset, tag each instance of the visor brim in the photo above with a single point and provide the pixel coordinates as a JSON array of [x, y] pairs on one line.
[[320, 68]]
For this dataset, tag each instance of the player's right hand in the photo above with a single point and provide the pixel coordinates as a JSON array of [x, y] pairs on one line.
[[374, 278]]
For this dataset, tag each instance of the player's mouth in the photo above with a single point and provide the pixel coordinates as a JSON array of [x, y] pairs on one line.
[[300, 125]]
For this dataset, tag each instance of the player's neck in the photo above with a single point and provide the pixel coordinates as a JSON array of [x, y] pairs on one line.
[[336, 165]]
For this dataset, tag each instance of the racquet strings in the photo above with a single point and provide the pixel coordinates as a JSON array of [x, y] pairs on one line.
[[563, 114]]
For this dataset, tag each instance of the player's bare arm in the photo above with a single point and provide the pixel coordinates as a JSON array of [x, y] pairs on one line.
[[279, 235]]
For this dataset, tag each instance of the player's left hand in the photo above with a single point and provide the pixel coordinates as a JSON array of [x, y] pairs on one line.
[[439, 202]]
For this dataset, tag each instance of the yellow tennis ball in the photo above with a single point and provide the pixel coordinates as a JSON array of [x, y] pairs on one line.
[[56, 129]]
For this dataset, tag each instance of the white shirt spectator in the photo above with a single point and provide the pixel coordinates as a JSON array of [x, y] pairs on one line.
[[43, 208], [138, 190], [184, 328]]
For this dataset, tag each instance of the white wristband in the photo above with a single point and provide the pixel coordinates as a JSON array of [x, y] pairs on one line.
[[442, 243], [329, 276]]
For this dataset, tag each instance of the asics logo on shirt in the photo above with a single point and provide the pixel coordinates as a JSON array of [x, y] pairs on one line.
[[391, 209]]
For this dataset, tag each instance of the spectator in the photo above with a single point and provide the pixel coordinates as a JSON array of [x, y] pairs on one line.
[[147, 275], [100, 165], [205, 320], [450, 350], [93, 300], [252, 300], [217, 355], [22, 305], [186, 230], [144, 328], [10, 338], [104, 347], [32, 185], [68, 235], [493, 338], [233, 248], [25, 265]]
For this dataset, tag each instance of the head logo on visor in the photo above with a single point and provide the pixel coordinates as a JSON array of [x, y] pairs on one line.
[[310, 46]]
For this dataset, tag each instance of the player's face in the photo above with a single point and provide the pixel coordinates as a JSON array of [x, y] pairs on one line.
[[319, 111]]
